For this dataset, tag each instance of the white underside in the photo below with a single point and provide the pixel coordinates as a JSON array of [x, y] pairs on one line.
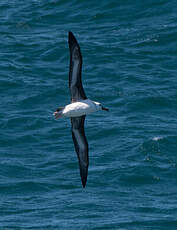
[[80, 108]]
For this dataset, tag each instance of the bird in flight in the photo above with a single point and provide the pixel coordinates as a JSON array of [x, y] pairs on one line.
[[79, 107]]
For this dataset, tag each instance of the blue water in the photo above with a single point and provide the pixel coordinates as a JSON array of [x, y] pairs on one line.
[[129, 64]]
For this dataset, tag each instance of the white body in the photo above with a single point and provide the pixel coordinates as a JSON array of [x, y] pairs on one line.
[[81, 108]]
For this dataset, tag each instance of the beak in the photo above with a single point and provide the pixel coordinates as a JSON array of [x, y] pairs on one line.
[[103, 108]]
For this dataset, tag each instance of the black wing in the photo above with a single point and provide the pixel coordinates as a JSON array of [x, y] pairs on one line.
[[75, 81], [81, 146]]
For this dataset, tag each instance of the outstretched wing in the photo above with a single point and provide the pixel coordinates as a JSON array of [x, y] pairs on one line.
[[75, 81], [81, 146]]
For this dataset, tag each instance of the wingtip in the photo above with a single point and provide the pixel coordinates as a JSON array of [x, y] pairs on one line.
[[71, 38], [70, 35], [84, 174], [84, 183]]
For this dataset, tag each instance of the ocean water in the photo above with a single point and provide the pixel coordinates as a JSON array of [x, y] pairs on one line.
[[129, 53]]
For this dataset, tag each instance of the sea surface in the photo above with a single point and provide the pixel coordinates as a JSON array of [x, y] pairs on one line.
[[129, 53]]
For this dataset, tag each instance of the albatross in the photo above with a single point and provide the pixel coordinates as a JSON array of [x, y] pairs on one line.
[[79, 107]]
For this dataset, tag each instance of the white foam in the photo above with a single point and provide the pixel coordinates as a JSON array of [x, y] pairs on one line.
[[156, 138]]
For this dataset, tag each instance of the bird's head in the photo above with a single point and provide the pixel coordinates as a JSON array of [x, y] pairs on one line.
[[100, 107], [58, 112]]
